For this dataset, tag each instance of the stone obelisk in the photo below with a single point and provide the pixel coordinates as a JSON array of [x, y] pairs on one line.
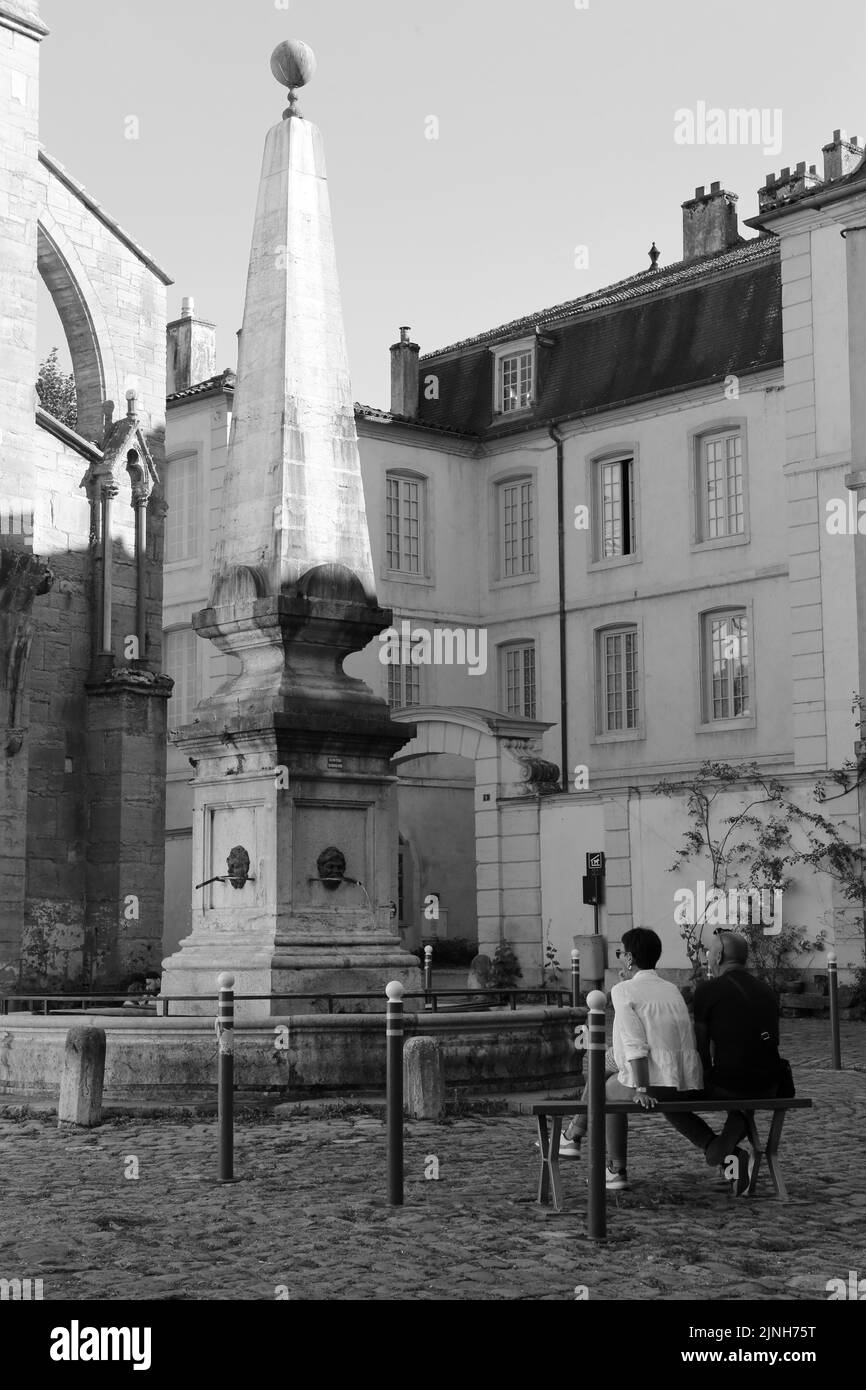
[[294, 832]]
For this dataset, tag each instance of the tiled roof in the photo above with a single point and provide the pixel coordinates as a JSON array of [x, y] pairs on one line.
[[655, 333], [387, 417], [634, 286], [225, 381]]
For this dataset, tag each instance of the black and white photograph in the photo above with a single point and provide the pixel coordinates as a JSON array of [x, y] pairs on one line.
[[432, 675]]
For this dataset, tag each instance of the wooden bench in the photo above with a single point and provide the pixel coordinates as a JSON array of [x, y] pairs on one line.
[[550, 1184]]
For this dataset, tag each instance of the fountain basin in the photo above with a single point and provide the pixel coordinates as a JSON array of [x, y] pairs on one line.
[[174, 1060]]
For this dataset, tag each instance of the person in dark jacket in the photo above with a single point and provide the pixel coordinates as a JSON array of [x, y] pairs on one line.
[[737, 1034]]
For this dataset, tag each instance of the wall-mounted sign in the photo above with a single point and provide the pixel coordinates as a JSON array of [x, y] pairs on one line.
[[595, 863], [335, 763]]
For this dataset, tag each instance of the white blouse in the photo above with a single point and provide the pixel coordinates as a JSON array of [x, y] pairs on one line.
[[651, 1020]]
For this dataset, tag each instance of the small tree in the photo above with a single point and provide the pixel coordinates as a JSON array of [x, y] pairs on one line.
[[750, 848], [56, 390], [551, 970]]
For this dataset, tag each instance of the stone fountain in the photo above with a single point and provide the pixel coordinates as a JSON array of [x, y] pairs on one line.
[[295, 835], [292, 774]]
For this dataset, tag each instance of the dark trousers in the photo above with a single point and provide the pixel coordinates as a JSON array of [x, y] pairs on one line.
[[716, 1147]]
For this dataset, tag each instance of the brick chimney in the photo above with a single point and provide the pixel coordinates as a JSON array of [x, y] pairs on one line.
[[190, 350], [404, 376], [709, 223], [841, 156]]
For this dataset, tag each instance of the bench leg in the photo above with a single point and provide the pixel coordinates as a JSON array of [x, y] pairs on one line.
[[549, 1182], [754, 1140], [773, 1155]]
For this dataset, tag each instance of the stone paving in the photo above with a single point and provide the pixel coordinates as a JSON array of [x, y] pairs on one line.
[[309, 1219]]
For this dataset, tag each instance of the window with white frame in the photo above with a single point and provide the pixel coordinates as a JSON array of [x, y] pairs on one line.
[[727, 681], [518, 679], [619, 696], [514, 377], [404, 523], [615, 530], [404, 686], [720, 491], [182, 496], [516, 527], [180, 659]]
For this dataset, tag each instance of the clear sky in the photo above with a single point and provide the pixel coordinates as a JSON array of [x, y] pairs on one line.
[[556, 131]]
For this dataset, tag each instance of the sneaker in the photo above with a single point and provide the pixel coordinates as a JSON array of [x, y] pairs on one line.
[[569, 1148], [616, 1179]]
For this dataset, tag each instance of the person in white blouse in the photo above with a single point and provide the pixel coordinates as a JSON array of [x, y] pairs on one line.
[[654, 1052]]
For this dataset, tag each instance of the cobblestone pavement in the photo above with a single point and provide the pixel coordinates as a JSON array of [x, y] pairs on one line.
[[310, 1212]]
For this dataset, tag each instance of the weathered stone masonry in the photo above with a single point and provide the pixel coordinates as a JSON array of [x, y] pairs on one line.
[[82, 701]]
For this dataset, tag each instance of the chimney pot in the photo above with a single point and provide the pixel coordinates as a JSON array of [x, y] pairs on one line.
[[709, 223], [404, 376], [190, 349], [841, 156]]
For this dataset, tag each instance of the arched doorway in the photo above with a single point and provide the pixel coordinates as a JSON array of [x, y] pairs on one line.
[[508, 776]]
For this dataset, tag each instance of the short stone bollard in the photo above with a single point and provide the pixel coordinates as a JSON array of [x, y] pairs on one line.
[[81, 1082], [423, 1079]]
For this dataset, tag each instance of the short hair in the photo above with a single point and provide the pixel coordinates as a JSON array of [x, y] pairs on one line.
[[734, 947], [644, 946]]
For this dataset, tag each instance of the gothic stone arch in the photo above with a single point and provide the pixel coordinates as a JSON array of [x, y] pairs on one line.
[[510, 778], [78, 309]]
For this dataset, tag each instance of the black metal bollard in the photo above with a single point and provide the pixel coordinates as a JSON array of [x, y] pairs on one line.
[[225, 1030], [833, 983], [394, 1090], [596, 1223], [428, 975], [575, 977]]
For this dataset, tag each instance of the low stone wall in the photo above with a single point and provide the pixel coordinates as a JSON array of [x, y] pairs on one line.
[[175, 1060]]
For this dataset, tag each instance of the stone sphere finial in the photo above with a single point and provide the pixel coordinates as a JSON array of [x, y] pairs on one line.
[[293, 64]]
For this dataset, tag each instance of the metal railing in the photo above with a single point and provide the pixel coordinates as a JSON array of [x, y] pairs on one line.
[[474, 999]]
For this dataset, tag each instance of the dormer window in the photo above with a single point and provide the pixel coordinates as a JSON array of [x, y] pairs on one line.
[[514, 377]]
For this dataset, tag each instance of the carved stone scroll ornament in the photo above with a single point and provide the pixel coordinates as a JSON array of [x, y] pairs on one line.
[[22, 578], [542, 776]]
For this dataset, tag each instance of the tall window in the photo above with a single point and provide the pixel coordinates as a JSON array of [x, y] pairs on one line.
[[180, 657], [725, 641], [515, 373], [404, 524], [614, 501], [181, 523], [404, 686], [516, 527], [720, 486], [519, 679], [618, 657]]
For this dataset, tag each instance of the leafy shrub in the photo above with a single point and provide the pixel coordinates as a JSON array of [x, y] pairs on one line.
[[505, 969]]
